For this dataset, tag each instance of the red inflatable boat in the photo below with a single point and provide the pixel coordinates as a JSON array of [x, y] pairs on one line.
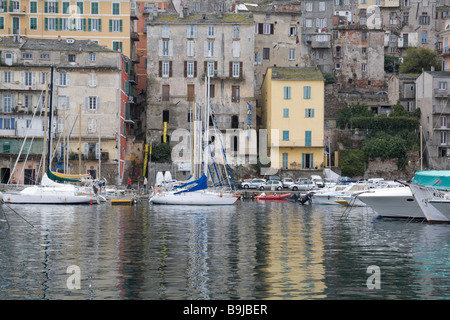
[[273, 196]]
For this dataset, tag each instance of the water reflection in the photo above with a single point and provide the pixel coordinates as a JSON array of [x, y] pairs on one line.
[[252, 250]]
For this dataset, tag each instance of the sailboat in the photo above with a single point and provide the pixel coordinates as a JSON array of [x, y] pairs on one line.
[[50, 191], [196, 192]]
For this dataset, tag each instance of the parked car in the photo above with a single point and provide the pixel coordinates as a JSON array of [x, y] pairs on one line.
[[276, 184], [274, 178], [382, 93], [317, 180], [287, 182], [253, 183], [303, 185]]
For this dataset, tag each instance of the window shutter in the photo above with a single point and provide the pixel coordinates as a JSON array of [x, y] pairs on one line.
[[216, 49], [195, 69], [98, 103], [86, 103], [33, 80], [110, 25], [67, 79], [160, 48], [185, 69], [241, 71], [45, 7], [120, 25], [206, 67], [170, 68], [205, 48], [99, 24], [160, 69], [89, 24], [231, 69], [170, 47], [86, 149], [271, 28], [56, 7], [312, 113], [46, 23]]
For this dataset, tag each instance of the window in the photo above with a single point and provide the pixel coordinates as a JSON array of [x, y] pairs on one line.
[[267, 28], [306, 92], [424, 19], [291, 54], [309, 7], [190, 93], [266, 53], [211, 68], [51, 7], [236, 69], [285, 135], [63, 102], [287, 92], [190, 69], [321, 6], [8, 76], [236, 49], [33, 7], [27, 56], [92, 79], [94, 24], [308, 23], [236, 32], [364, 36], [92, 125], [165, 92], [285, 160], [43, 77], [443, 120], [71, 58], [94, 7], [2, 23], [235, 94], [307, 138], [165, 68], [7, 103], [309, 113], [80, 7], [191, 31], [292, 31], [211, 31], [33, 23], [424, 37], [92, 57], [165, 31], [8, 123], [115, 25], [117, 45], [64, 79], [210, 49], [28, 79], [92, 103], [116, 8], [443, 137], [190, 48], [286, 113], [442, 85], [257, 58], [363, 67]]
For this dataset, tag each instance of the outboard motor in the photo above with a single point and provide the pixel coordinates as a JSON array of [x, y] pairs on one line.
[[95, 189], [307, 197]]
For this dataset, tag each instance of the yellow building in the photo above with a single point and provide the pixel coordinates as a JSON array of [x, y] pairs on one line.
[[293, 112], [107, 22]]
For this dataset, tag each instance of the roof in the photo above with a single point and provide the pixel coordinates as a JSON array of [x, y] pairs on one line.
[[440, 74], [295, 73], [203, 18], [53, 45]]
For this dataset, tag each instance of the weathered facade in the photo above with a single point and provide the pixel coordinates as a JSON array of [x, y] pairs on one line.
[[182, 50], [89, 94], [432, 92]]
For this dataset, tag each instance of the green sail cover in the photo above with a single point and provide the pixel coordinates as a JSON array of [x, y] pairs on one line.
[[56, 178], [438, 179]]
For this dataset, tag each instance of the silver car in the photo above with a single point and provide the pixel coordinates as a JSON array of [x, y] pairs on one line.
[[275, 184], [253, 184], [302, 185]]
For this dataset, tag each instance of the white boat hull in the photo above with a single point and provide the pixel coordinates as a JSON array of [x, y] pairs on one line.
[[47, 195], [393, 203], [432, 205], [199, 198]]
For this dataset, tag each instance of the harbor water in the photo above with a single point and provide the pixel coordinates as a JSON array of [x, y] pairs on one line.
[[250, 250]]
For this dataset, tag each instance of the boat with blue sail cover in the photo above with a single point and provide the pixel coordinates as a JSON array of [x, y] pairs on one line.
[[197, 191]]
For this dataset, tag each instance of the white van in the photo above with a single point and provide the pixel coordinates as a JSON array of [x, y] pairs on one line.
[[317, 180]]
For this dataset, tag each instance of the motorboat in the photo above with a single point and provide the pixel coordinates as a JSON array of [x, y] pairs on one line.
[[431, 191], [397, 202], [331, 195]]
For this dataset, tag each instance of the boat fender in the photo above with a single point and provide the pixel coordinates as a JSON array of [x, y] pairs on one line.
[[221, 195]]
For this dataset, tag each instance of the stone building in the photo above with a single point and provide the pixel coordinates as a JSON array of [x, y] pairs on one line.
[[88, 92], [182, 50]]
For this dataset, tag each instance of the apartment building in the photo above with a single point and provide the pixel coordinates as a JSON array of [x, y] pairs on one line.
[[293, 104], [432, 92], [89, 94], [109, 23], [183, 49]]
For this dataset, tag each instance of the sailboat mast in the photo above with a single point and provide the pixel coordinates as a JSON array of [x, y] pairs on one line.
[[44, 144], [49, 154], [205, 150]]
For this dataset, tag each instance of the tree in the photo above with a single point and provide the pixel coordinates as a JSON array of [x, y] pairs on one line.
[[353, 110], [417, 59], [391, 63], [161, 152]]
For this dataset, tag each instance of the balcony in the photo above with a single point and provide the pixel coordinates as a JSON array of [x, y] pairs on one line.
[[441, 93], [321, 41]]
